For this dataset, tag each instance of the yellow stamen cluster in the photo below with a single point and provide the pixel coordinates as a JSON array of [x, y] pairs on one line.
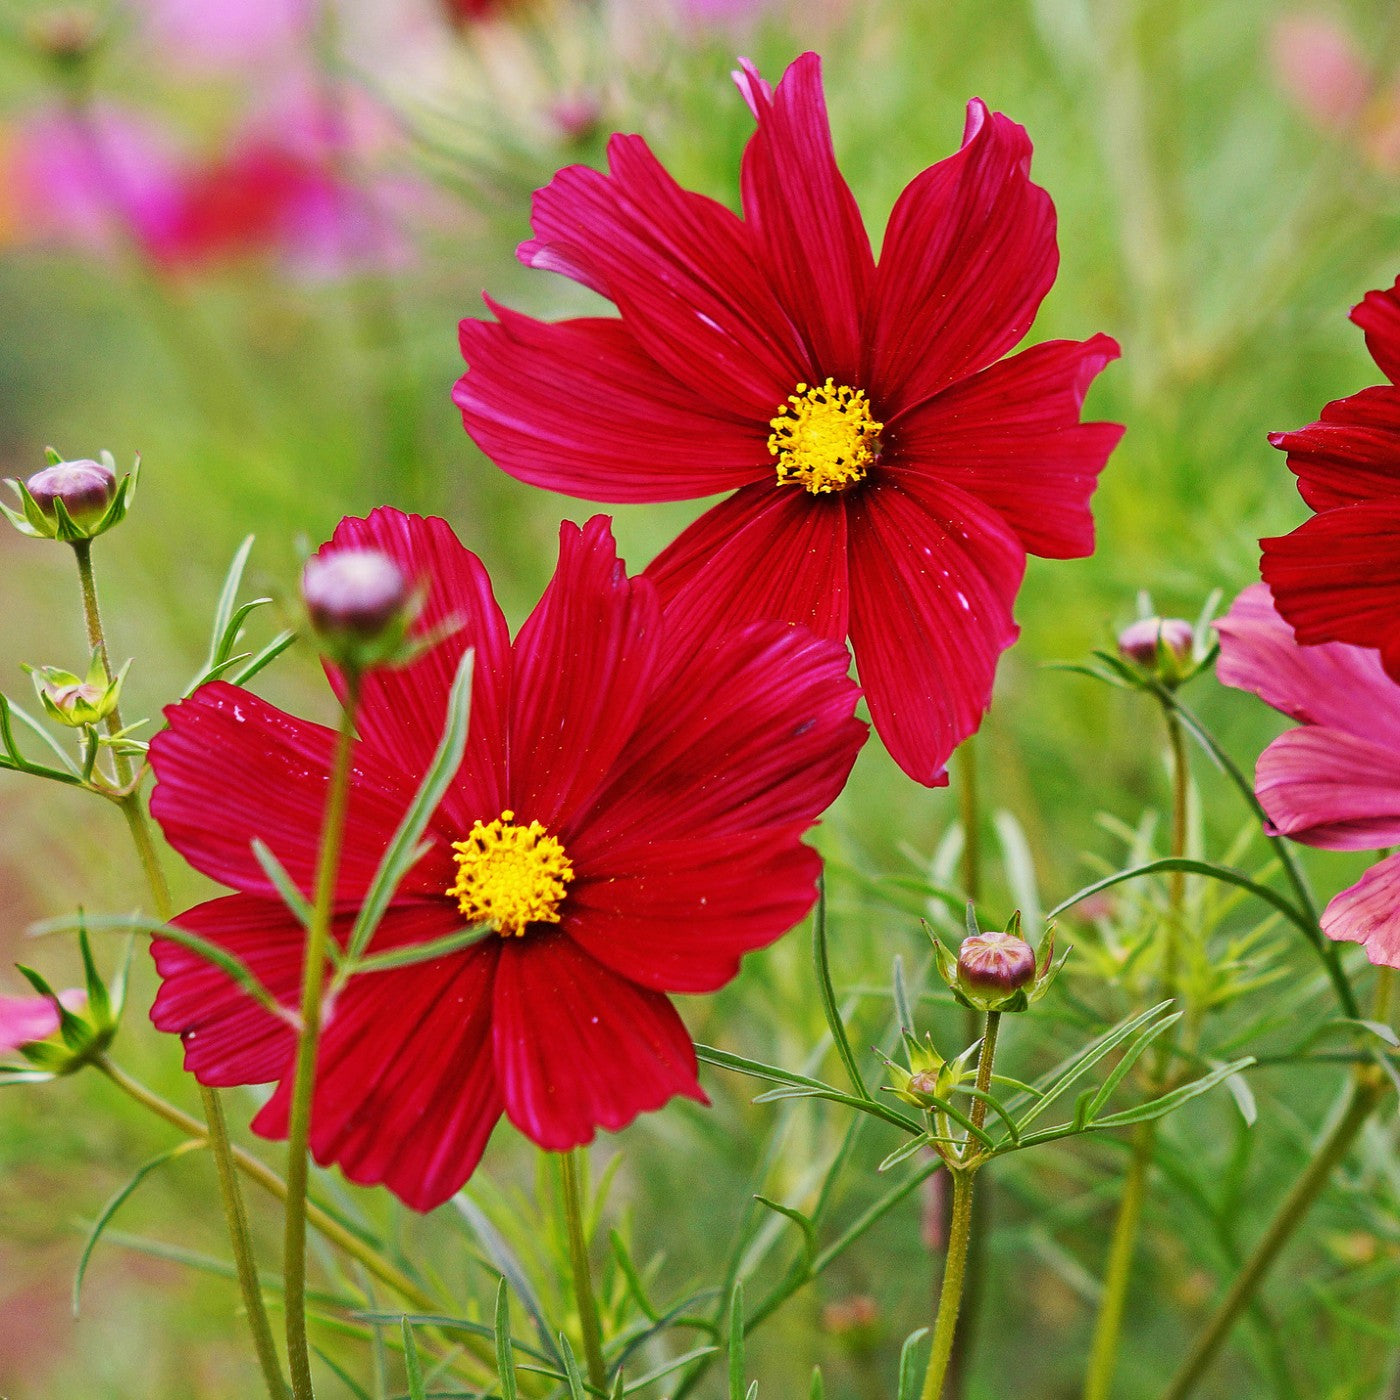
[[510, 876], [824, 437]]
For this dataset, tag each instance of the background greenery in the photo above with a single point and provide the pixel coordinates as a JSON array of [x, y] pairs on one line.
[[1205, 220]]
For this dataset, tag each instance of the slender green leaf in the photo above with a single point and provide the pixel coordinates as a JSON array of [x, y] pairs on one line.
[[261, 660], [296, 902], [902, 1010], [818, 1387], [873, 1107], [1130, 1057], [822, 959], [503, 1259], [669, 1368], [809, 1233], [577, 1389], [505, 1361], [1167, 1103], [447, 1323], [909, 1365], [736, 1341], [412, 1363], [903, 1153], [41, 732], [404, 849], [631, 1277], [341, 1374], [228, 598], [411, 953]]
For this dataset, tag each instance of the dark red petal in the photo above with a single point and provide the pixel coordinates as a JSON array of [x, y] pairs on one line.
[[1011, 436], [678, 915], [406, 1090], [1336, 578], [403, 710], [681, 269], [1379, 316], [752, 732], [1351, 454], [1328, 788], [580, 407], [1369, 913], [583, 665], [231, 767], [228, 1037], [968, 256], [578, 1047], [805, 221], [767, 552], [1333, 684], [934, 574]]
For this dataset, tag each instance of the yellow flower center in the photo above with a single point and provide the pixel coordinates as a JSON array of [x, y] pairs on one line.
[[509, 876], [824, 437]]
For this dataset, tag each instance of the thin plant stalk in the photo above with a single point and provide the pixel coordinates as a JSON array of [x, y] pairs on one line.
[[963, 1172], [308, 1043], [584, 1298], [216, 1130], [1118, 1269]]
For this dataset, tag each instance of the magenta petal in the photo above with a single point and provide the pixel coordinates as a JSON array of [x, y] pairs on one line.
[[1333, 684], [934, 574], [681, 269], [968, 256], [580, 407], [766, 552], [1327, 788], [579, 1048], [805, 220], [1379, 316], [403, 709], [583, 665], [270, 772], [1351, 454], [1369, 913], [25, 1020], [1011, 436]]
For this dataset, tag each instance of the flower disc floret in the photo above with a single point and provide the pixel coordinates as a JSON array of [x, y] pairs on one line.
[[510, 876], [824, 437]]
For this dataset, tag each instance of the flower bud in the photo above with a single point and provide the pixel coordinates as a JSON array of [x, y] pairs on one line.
[[78, 701], [28, 1020], [1155, 642], [995, 963], [85, 488], [360, 605]]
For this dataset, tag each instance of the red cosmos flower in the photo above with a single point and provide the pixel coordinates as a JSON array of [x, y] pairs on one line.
[[1334, 782], [628, 819], [890, 471], [1336, 578]]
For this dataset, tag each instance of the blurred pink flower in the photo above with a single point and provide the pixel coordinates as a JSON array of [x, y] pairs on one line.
[[24, 1020], [1321, 68], [220, 34], [1333, 782]]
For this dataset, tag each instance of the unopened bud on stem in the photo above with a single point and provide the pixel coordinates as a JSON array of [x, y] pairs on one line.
[[360, 605], [1159, 644], [996, 963]]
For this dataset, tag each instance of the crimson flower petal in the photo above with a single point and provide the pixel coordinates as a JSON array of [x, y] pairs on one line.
[[1379, 316], [1011, 436], [678, 915], [933, 576], [1342, 687], [580, 407], [766, 552], [578, 1047], [583, 663], [266, 775], [1351, 454], [402, 710], [968, 256], [406, 1089], [1328, 788], [1369, 913], [1336, 578], [680, 267], [228, 1038], [805, 221]]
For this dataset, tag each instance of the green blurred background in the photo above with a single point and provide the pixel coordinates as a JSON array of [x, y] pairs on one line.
[[1227, 177]]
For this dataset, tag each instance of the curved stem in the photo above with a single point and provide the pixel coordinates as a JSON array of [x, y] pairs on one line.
[[1367, 1090], [308, 1042], [216, 1131], [584, 1297]]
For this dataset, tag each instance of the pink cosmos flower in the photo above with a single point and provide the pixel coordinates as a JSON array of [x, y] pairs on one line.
[[1334, 782], [25, 1020], [890, 469], [1336, 578], [627, 819]]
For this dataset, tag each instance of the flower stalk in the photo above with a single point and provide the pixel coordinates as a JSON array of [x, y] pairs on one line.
[[308, 1043], [584, 1297]]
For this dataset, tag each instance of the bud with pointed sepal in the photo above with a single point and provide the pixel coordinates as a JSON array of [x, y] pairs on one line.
[[361, 606], [78, 701], [997, 970], [1165, 647], [930, 1079], [72, 501]]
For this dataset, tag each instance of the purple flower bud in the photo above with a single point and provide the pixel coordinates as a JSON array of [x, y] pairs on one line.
[[1139, 641], [355, 593], [86, 489], [995, 963]]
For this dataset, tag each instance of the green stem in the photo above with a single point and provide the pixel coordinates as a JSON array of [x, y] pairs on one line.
[[1367, 1090], [584, 1297], [308, 1042], [216, 1131], [963, 1171], [968, 811]]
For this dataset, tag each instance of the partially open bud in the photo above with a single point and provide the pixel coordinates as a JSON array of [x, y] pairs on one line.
[[72, 500], [28, 1020], [1163, 645], [997, 970], [360, 605], [78, 701]]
